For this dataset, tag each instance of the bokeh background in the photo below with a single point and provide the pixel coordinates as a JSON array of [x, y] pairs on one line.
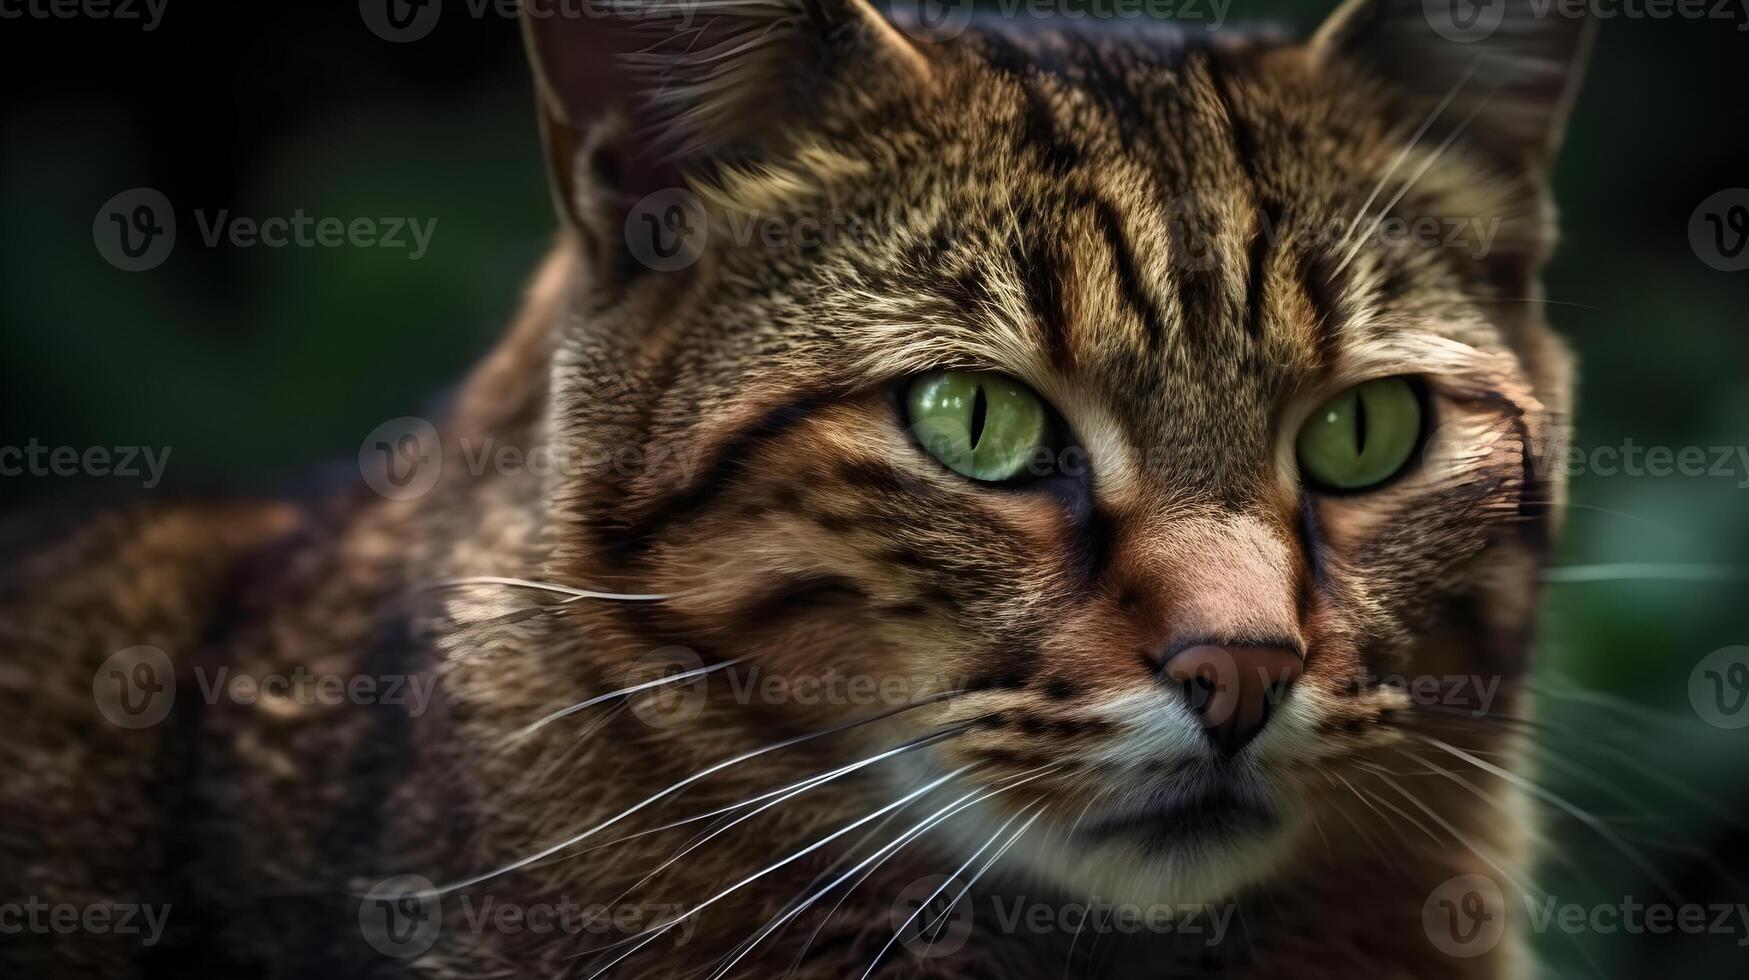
[[260, 366]]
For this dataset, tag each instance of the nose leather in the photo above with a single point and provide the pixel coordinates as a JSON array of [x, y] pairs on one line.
[[1234, 689]]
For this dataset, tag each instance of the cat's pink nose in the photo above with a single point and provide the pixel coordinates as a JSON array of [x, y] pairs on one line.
[[1234, 689]]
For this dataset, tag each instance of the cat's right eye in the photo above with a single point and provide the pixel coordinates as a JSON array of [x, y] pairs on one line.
[[1363, 437], [984, 426]]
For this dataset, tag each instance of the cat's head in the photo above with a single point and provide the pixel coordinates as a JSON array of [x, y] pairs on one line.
[[1164, 388]]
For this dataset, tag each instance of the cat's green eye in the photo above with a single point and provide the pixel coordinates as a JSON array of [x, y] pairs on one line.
[[984, 426], [1362, 437]]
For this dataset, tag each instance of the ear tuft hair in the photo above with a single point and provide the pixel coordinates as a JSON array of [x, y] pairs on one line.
[[1513, 67], [686, 85], [715, 70]]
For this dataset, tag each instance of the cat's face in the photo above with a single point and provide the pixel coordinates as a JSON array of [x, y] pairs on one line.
[[1241, 450]]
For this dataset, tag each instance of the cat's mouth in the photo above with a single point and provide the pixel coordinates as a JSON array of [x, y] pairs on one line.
[[1209, 816]]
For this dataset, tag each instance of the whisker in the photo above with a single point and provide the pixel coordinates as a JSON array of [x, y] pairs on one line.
[[532, 727], [655, 932], [828, 871], [741, 804], [1075, 940], [523, 583], [682, 784], [793, 790], [1660, 821], [1039, 811], [948, 881], [560, 764], [1597, 826], [1615, 754], [1647, 521], [1463, 839], [1497, 804], [1408, 149], [1360, 831], [1365, 795], [1706, 857], [1641, 572], [1317, 825], [1621, 706], [1535, 299], [1558, 853], [1546, 755], [880, 857], [1082, 816], [1414, 178]]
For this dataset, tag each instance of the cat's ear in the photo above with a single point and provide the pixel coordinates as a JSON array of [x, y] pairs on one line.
[[634, 95], [1510, 67]]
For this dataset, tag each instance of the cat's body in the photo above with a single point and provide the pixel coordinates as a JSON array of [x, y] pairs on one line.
[[1129, 223]]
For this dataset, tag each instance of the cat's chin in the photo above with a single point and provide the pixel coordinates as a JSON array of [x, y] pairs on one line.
[[1164, 865], [1141, 874]]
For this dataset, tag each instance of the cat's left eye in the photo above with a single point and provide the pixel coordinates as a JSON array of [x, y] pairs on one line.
[[1362, 437], [984, 426]]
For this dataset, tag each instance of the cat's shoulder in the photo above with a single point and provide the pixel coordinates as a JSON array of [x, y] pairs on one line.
[[130, 592]]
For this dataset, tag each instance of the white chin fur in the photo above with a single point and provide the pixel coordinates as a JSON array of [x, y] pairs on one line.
[[1130, 872]]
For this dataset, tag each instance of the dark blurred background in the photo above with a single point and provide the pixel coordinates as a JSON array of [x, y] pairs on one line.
[[254, 365]]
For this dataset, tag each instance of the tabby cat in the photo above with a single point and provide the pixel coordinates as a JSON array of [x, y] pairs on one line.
[[981, 470]]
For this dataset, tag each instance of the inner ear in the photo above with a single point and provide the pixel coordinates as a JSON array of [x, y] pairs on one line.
[[636, 95], [1507, 70]]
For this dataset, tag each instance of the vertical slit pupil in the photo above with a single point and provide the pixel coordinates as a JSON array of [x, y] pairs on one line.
[[980, 410], [1359, 426]]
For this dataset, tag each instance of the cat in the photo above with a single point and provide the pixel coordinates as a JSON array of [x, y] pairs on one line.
[[987, 466]]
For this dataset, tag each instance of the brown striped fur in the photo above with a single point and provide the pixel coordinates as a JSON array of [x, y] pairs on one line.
[[1098, 213]]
